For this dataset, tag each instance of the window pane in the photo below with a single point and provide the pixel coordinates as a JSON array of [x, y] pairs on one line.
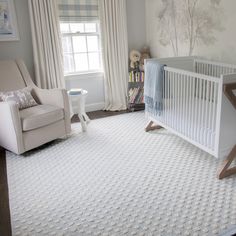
[[94, 61], [90, 27], [66, 44], [68, 63], [64, 27], [79, 44], [77, 27], [81, 62], [92, 43]]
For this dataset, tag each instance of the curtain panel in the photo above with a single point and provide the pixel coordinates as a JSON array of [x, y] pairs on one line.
[[113, 21], [47, 48], [78, 10]]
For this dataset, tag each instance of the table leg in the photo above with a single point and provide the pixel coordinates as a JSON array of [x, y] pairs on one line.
[[82, 122], [86, 118]]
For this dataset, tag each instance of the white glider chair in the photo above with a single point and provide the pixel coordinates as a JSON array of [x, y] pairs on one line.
[[23, 130]]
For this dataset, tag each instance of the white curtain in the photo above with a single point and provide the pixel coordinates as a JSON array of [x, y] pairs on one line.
[[115, 52], [47, 48]]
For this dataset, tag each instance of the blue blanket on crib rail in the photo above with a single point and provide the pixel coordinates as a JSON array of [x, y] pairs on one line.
[[153, 87]]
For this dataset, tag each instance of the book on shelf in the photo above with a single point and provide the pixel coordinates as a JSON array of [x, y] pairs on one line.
[[133, 93], [136, 95], [139, 96], [136, 76]]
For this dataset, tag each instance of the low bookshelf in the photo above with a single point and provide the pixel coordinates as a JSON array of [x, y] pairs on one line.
[[136, 90]]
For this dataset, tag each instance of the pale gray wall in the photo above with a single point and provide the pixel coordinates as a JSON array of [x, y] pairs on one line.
[[222, 48], [22, 48], [136, 24]]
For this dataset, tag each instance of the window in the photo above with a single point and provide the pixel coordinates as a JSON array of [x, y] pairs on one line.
[[81, 47]]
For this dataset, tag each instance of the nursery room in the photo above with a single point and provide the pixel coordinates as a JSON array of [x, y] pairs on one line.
[[117, 117]]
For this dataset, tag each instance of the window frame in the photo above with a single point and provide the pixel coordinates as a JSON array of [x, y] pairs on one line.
[[73, 53]]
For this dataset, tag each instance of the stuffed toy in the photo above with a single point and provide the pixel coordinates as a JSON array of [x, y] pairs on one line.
[[145, 54], [134, 57]]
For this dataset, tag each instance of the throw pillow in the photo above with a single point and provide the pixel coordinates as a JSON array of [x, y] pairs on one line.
[[22, 97]]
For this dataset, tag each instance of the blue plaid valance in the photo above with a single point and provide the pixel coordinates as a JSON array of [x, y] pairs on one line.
[[78, 10]]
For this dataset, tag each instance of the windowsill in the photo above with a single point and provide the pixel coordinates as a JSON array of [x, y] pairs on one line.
[[84, 75]]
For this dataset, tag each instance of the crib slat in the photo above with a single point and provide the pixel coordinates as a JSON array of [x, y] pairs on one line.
[[164, 95], [214, 113], [165, 82], [166, 85], [210, 120], [204, 113], [170, 109], [168, 98], [196, 67], [216, 71], [207, 114], [213, 70], [200, 111], [192, 82], [175, 100], [205, 69], [188, 105], [202, 104], [170, 116], [178, 101], [172, 99], [166, 89], [181, 103], [195, 108]]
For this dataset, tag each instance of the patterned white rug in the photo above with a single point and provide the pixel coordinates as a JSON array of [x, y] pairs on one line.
[[118, 180]]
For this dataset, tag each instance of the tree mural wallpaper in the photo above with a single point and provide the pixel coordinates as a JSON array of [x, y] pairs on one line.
[[189, 22]]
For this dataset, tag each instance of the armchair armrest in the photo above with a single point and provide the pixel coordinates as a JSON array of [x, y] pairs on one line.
[[10, 127], [55, 97]]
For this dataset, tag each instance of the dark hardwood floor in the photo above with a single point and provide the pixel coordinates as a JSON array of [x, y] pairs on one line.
[[5, 219], [99, 114]]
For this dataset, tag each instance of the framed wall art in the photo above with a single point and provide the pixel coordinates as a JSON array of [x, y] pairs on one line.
[[8, 22]]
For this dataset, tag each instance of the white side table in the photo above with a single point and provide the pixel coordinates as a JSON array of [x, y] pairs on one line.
[[79, 99]]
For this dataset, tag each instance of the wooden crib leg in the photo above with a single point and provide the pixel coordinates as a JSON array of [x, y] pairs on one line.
[[150, 126], [225, 171]]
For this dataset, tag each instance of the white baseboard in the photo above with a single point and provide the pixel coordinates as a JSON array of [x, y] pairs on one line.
[[94, 106]]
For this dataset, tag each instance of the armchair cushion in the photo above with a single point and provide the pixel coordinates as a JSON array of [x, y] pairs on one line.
[[39, 116], [22, 98]]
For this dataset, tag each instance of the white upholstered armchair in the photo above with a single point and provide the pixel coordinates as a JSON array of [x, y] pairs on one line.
[[23, 130]]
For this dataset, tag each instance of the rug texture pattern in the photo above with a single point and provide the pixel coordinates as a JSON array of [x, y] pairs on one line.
[[118, 180]]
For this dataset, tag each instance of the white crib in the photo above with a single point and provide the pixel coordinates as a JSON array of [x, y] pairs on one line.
[[199, 105]]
